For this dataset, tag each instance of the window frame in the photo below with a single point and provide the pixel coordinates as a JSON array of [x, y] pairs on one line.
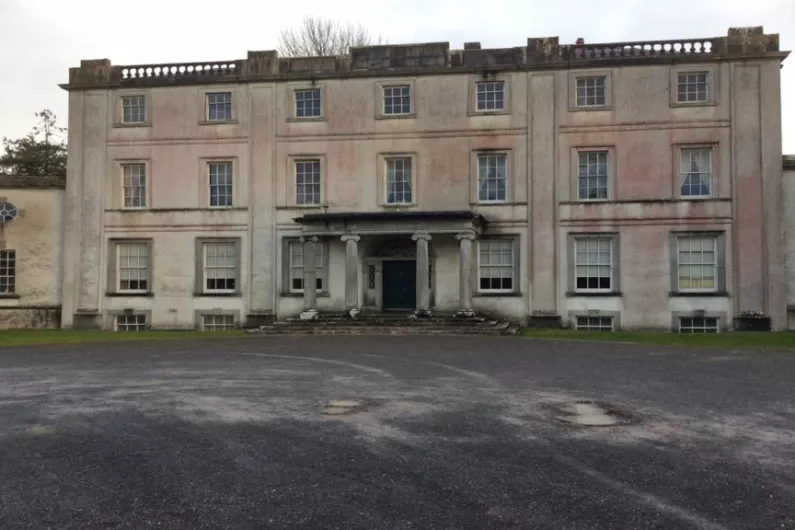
[[8, 261], [205, 107], [118, 117], [114, 271], [712, 85], [115, 316], [201, 315], [679, 179], [200, 259], [515, 265], [677, 316], [488, 153], [610, 163], [208, 165], [389, 158], [576, 322], [294, 90], [123, 165], [287, 268], [591, 74], [380, 98], [719, 248], [484, 82], [144, 105], [307, 160], [615, 263]]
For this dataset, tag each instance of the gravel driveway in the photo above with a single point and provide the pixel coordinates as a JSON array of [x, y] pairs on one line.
[[403, 432]]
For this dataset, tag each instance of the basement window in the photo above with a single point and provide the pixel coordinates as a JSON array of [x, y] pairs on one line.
[[594, 323], [130, 322], [698, 324], [214, 322]]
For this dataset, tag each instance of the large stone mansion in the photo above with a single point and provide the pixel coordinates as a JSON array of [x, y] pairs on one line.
[[623, 185]]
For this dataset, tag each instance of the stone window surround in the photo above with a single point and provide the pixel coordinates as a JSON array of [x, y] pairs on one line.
[[381, 187], [198, 316], [720, 259], [118, 107], [113, 266], [110, 317], [379, 98], [472, 106], [612, 166], [286, 291], [290, 102], [474, 163], [204, 180], [721, 316], [292, 183], [517, 262], [118, 187], [615, 315], [199, 285], [574, 75], [615, 266], [677, 170], [204, 109], [712, 84]]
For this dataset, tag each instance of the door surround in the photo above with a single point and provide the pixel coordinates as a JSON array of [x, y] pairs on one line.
[[389, 248]]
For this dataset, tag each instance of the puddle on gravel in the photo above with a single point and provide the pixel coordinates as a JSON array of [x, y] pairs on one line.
[[592, 414], [344, 406]]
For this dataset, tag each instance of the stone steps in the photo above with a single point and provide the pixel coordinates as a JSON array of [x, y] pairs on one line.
[[389, 325]]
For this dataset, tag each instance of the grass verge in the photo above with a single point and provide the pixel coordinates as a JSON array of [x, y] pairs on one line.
[[777, 340], [74, 336]]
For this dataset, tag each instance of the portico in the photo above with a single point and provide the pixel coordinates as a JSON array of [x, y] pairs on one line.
[[391, 259]]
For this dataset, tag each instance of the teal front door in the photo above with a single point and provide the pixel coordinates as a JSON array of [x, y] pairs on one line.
[[400, 285]]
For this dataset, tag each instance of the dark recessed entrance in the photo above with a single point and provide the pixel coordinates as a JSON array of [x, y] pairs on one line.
[[399, 285]]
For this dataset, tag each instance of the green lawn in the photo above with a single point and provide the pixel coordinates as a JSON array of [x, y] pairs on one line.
[[71, 336], [779, 340]]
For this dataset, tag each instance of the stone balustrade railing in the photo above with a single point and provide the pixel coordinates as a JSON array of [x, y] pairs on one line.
[[663, 48], [179, 70], [427, 58]]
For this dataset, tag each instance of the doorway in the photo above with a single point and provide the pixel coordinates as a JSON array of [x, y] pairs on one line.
[[399, 285]]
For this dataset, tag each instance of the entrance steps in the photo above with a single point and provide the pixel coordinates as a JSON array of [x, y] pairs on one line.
[[389, 324]]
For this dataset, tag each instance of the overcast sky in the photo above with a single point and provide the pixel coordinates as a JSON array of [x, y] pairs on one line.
[[41, 39]]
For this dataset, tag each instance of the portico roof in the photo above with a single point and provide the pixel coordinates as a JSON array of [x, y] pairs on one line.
[[336, 217]]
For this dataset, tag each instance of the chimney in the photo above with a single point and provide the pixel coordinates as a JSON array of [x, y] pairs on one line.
[[580, 41], [471, 45]]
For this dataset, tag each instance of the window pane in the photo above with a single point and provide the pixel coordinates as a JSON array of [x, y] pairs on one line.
[[492, 177], [307, 182], [593, 265], [692, 87], [496, 265], [397, 100], [696, 172], [398, 181], [219, 106], [593, 175], [133, 266], [591, 91], [134, 185], [491, 95], [697, 263], [296, 268], [308, 103], [220, 266], [133, 109], [220, 183], [131, 322], [8, 271]]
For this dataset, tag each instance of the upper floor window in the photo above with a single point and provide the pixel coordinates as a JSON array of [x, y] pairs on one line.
[[692, 87], [220, 266], [696, 172], [220, 184], [308, 103], [496, 265], [133, 109], [697, 262], [594, 264], [491, 95], [592, 91], [593, 175], [219, 106], [8, 271], [397, 100], [492, 177], [398, 181], [133, 267], [134, 185], [307, 182]]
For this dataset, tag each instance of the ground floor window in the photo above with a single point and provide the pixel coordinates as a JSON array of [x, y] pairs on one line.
[[220, 267], [594, 323], [296, 266], [593, 264], [213, 322], [496, 265], [8, 271], [130, 322], [698, 324]]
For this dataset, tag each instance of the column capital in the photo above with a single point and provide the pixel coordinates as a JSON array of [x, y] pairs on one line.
[[421, 235], [466, 235], [350, 237]]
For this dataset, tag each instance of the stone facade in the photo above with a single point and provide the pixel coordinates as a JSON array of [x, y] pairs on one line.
[[564, 184], [31, 241]]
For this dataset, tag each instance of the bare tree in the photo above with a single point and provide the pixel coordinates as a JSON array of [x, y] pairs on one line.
[[316, 36]]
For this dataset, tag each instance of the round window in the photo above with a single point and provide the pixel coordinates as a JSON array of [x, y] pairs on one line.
[[8, 212]]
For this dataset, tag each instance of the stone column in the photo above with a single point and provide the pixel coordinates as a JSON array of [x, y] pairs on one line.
[[351, 274], [423, 265], [310, 278], [465, 274]]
